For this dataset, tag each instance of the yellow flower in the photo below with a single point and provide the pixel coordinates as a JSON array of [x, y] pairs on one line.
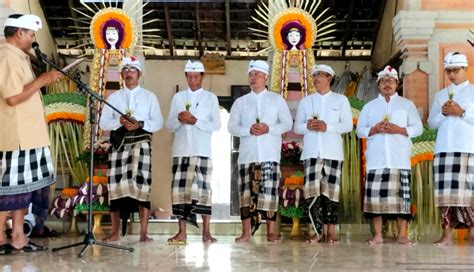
[[386, 118]]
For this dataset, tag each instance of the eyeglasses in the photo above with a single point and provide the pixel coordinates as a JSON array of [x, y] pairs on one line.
[[452, 70], [387, 81], [129, 70], [321, 74]]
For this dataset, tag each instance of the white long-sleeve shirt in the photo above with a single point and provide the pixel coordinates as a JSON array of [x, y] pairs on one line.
[[270, 108], [332, 108], [194, 140], [455, 134], [391, 151], [141, 103]]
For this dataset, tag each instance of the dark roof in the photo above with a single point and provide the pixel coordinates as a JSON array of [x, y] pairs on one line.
[[202, 26]]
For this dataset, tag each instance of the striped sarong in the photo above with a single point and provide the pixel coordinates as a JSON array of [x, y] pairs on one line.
[[454, 179], [191, 191], [387, 191]]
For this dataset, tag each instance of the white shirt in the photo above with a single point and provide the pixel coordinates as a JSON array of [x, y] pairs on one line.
[[270, 108], [455, 134], [194, 140], [332, 108], [391, 151], [141, 103]]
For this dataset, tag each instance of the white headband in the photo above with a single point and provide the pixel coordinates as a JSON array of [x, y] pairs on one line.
[[258, 65], [454, 59], [322, 68], [131, 62], [28, 21], [388, 71], [194, 67]]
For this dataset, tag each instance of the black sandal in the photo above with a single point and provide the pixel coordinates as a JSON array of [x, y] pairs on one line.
[[31, 247], [8, 249]]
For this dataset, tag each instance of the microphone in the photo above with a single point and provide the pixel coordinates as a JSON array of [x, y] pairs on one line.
[[38, 53]]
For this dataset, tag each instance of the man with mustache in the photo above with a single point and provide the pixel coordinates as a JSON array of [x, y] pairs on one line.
[[322, 117], [388, 122], [452, 113], [259, 119], [26, 169], [129, 170]]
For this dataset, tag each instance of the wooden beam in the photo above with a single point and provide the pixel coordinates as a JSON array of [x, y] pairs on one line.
[[227, 24], [168, 29], [348, 27], [198, 31], [383, 3]]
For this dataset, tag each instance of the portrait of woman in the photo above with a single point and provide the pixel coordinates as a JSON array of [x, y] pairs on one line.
[[293, 35], [112, 34]]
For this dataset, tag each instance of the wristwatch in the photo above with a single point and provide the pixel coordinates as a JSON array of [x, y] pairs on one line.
[[463, 114], [141, 124]]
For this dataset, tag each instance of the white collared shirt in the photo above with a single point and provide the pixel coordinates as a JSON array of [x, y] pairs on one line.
[[332, 108], [270, 108], [194, 140], [141, 103], [391, 151], [455, 134]]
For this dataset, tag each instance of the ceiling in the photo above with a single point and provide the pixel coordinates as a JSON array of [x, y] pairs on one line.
[[192, 28]]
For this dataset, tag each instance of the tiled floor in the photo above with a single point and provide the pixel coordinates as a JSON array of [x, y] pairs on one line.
[[225, 255]]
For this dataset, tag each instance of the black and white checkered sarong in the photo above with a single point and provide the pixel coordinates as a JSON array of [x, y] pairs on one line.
[[191, 186], [322, 176], [269, 183], [129, 172], [387, 191], [454, 179], [24, 171]]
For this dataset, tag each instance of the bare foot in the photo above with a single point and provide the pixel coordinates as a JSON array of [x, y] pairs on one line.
[[273, 238], [244, 238], [471, 239], [178, 239], [20, 242], [404, 240], [112, 238], [208, 239], [333, 240], [145, 238], [444, 241], [374, 241], [315, 239]]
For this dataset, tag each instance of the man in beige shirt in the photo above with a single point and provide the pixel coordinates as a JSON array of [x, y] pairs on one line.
[[25, 160]]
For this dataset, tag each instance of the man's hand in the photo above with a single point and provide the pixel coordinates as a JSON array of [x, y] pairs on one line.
[[391, 128], [378, 128], [186, 117], [316, 125], [129, 125], [259, 129], [388, 128], [451, 108], [50, 77]]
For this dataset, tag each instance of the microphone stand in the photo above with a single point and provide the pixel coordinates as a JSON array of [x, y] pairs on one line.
[[89, 239]]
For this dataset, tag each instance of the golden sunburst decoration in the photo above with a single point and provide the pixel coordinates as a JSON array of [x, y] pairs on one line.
[[276, 13], [95, 20], [117, 19], [280, 19]]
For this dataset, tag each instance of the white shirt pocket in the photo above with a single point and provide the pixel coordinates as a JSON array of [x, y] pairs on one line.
[[399, 117]]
